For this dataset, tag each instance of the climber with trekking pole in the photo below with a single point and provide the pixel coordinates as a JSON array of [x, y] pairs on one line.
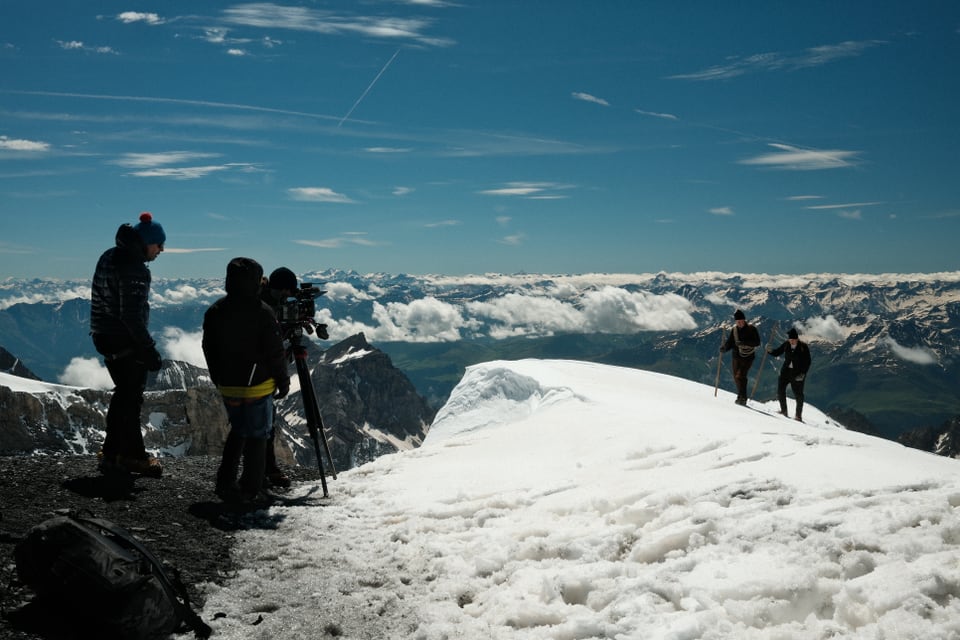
[[773, 335], [796, 364], [743, 341]]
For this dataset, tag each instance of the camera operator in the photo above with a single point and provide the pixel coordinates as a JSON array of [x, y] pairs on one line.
[[245, 356], [277, 290]]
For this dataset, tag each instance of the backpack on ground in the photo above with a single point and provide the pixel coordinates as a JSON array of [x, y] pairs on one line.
[[99, 573]]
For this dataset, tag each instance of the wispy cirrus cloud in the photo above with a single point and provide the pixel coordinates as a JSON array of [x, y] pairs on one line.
[[78, 45], [163, 158], [157, 165], [799, 159], [180, 173], [318, 194], [349, 238], [654, 114], [849, 205], [273, 16], [530, 190], [776, 61], [185, 250], [586, 97]]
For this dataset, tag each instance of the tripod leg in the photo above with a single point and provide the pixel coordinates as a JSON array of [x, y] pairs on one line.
[[310, 410]]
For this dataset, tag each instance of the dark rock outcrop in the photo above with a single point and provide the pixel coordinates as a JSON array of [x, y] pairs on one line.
[[369, 408]]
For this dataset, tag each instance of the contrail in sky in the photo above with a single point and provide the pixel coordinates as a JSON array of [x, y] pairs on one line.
[[364, 94]]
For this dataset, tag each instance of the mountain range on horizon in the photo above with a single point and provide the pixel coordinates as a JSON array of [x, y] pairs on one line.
[[885, 347]]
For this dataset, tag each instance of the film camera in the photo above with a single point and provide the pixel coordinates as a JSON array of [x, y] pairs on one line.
[[296, 312]]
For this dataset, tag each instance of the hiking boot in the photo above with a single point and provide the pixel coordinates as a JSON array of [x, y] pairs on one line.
[[228, 491], [277, 478], [255, 500], [147, 466], [783, 412], [107, 465]]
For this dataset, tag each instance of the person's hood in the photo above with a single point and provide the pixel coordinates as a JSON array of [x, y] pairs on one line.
[[243, 277], [129, 240]]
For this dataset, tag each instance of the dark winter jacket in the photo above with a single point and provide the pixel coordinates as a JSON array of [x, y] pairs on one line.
[[796, 360], [119, 295], [744, 341], [241, 337]]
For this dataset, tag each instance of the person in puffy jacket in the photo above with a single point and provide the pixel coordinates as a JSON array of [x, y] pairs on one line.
[[119, 316], [245, 357], [796, 364]]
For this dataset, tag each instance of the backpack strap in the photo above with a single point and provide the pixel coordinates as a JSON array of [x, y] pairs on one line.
[[175, 589]]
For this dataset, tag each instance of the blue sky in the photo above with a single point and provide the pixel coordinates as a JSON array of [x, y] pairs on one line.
[[427, 136]]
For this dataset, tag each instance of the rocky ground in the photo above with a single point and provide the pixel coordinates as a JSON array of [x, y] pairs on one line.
[[177, 516]]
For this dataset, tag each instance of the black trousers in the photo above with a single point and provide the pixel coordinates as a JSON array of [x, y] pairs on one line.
[[741, 366], [124, 435], [796, 386]]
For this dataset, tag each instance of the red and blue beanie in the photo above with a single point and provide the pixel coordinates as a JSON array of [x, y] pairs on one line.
[[150, 231]]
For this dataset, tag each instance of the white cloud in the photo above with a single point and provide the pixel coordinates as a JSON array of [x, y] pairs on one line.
[[184, 345], [424, 320], [827, 328], [77, 45], [129, 17], [516, 314], [150, 160], [797, 159], [654, 114], [336, 243], [721, 211], [514, 240], [86, 372], [163, 294], [608, 310], [273, 16], [345, 291], [318, 194], [15, 144], [586, 97], [776, 61], [849, 205], [180, 173], [916, 355], [615, 310]]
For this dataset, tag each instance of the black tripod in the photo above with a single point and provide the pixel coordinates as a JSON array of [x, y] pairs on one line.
[[311, 407]]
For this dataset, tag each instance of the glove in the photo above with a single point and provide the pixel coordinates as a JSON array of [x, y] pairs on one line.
[[799, 377], [151, 359], [322, 332], [769, 350], [283, 388]]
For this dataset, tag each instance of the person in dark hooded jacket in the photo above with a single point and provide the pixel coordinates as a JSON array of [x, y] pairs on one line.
[[246, 360], [119, 315]]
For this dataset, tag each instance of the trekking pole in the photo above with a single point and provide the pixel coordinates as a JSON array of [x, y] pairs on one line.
[[723, 338], [756, 382]]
